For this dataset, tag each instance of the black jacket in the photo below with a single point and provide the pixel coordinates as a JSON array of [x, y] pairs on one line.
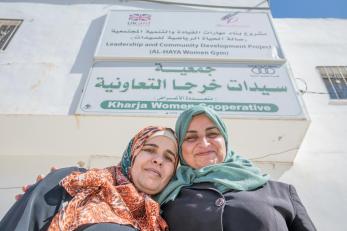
[[273, 207]]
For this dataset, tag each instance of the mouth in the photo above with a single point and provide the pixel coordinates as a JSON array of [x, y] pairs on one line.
[[205, 153], [153, 171]]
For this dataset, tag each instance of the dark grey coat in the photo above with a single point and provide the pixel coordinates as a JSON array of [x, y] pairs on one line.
[[273, 207]]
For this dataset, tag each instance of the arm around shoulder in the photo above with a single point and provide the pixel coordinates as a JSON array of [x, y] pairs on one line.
[[37, 207]]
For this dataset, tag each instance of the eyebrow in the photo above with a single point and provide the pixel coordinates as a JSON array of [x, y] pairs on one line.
[[156, 146], [210, 128], [207, 129], [173, 155], [152, 145]]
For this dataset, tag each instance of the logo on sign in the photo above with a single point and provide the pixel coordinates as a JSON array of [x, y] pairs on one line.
[[229, 18], [263, 70], [139, 19]]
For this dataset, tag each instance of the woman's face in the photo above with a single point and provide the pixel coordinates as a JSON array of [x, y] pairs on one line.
[[154, 166], [203, 143]]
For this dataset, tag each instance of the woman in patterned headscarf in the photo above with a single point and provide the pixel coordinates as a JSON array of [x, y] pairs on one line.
[[114, 198]]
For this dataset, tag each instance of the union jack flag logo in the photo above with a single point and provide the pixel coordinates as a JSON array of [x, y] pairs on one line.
[[140, 17]]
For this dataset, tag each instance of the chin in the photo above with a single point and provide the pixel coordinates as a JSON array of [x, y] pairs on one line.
[[152, 191], [208, 162]]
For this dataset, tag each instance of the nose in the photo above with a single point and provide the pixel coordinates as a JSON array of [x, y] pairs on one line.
[[204, 142], [157, 160]]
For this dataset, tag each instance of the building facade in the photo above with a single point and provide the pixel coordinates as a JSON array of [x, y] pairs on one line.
[[45, 65]]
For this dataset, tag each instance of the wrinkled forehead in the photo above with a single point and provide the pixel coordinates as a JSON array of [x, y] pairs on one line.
[[201, 116], [164, 133], [201, 122], [158, 136], [162, 141]]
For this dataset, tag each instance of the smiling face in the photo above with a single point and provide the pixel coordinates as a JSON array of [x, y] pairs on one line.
[[155, 164], [203, 143]]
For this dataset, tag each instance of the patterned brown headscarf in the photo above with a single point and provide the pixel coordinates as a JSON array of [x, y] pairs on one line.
[[108, 196]]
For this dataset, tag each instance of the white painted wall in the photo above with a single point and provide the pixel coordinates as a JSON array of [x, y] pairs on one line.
[[49, 58], [320, 166]]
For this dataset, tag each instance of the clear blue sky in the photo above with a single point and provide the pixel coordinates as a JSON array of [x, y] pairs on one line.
[[309, 8]]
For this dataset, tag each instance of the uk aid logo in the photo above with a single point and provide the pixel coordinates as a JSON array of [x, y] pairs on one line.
[[139, 20]]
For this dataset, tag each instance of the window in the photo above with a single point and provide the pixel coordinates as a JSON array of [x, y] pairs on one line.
[[335, 80], [8, 28]]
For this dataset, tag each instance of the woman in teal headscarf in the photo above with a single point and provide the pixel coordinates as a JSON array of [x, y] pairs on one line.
[[215, 189]]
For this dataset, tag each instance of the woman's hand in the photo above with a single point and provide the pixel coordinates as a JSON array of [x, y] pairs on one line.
[[26, 187]]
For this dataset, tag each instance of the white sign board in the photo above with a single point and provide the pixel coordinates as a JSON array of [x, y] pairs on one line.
[[188, 35], [144, 88]]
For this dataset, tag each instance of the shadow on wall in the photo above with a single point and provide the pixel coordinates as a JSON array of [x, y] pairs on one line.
[[275, 170], [85, 58]]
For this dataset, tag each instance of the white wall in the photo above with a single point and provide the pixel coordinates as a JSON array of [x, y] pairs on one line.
[[44, 67], [320, 166]]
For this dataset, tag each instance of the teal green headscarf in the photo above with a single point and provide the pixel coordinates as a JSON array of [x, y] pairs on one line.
[[233, 173]]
